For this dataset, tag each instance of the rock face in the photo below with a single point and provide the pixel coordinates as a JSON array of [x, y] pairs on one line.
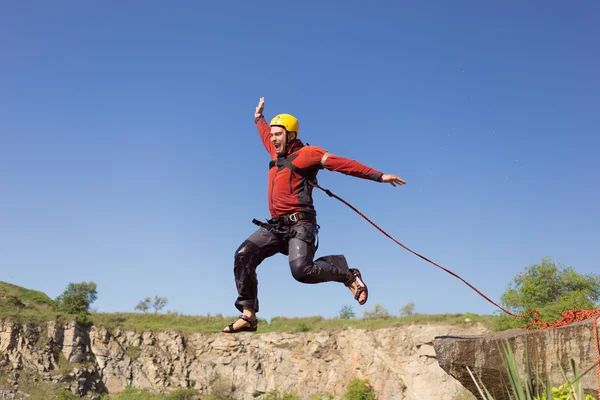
[[399, 362], [548, 349]]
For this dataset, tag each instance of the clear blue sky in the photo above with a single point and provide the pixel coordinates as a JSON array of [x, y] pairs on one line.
[[129, 156]]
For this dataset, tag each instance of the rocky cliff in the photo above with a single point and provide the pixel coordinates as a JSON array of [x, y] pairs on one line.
[[550, 351], [399, 362]]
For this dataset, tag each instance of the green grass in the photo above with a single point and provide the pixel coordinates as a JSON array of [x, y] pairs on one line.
[[15, 297], [281, 395], [22, 305], [34, 317], [32, 384], [530, 385], [212, 324]]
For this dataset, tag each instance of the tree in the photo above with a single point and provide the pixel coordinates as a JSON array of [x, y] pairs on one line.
[[549, 288], [144, 305], [378, 311], [76, 298], [347, 312], [159, 303], [408, 309]]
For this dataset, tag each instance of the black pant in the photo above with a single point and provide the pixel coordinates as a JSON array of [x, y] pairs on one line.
[[299, 243]]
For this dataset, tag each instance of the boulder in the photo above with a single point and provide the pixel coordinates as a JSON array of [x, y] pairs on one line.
[[548, 350]]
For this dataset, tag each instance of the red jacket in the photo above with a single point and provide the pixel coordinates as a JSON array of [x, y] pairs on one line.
[[288, 191]]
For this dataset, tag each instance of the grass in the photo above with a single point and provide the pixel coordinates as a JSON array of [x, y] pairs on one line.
[[213, 324], [34, 317], [135, 394], [25, 306], [32, 384], [133, 352], [531, 386], [15, 297]]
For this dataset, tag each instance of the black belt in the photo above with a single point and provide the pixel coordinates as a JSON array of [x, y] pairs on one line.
[[291, 219], [287, 220]]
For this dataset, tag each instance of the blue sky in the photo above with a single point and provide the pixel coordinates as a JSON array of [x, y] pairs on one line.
[[129, 156]]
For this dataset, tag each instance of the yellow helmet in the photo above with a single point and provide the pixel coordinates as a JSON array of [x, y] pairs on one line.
[[289, 122]]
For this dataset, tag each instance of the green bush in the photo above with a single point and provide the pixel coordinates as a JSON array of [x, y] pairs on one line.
[[359, 389], [276, 395], [33, 297], [408, 309], [549, 288], [76, 298], [347, 312], [562, 393], [303, 327], [378, 312], [64, 394]]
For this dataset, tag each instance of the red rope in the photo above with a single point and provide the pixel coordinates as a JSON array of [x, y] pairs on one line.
[[597, 353], [568, 317]]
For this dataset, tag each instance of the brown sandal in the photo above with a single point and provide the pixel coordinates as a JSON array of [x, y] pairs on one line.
[[252, 328], [360, 287]]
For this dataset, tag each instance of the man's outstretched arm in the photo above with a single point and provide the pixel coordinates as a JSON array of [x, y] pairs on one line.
[[354, 168], [264, 129]]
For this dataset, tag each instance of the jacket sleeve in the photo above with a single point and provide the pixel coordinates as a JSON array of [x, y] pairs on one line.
[[344, 165], [264, 130]]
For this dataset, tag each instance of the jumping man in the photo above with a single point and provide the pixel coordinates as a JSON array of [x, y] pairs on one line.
[[292, 229]]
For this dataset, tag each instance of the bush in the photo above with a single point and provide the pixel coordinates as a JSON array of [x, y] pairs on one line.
[[64, 394], [13, 302], [563, 393], [275, 395], [408, 309], [359, 389], [158, 304], [347, 312], [303, 327], [76, 298], [378, 311], [549, 288]]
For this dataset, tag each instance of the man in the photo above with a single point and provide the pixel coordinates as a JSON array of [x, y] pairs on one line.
[[292, 229]]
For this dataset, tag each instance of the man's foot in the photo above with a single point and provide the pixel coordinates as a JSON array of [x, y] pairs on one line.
[[358, 287], [243, 324]]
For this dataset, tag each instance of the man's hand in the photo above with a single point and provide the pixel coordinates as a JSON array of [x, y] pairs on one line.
[[260, 107], [392, 179]]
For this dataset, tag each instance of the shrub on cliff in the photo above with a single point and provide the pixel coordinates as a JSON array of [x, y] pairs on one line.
[[77, 298], [549, 288], [359, 389]]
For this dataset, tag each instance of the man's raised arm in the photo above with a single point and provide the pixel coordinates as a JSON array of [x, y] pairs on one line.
[[264, 129]]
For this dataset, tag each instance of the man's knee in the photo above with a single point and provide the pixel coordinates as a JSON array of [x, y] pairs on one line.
[[245, 252], [301, 269]]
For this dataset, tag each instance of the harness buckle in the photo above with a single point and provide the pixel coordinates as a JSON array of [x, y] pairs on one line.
[[293, 217]]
